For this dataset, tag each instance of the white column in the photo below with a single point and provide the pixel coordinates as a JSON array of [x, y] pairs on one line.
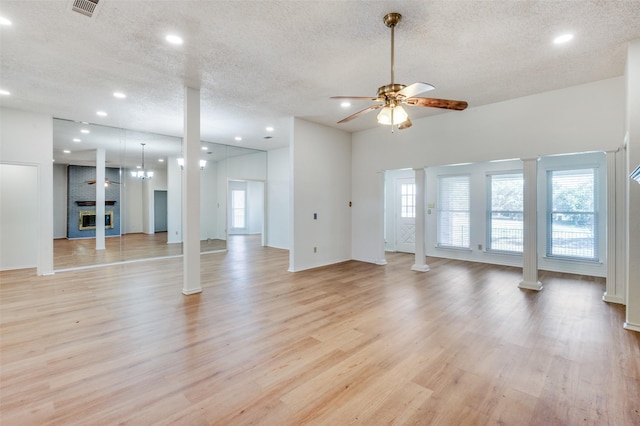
[[100, 198], [381, 258], [530, 225], [420, 264], [633, 198], [613, 292], [174, 201], [191, 192]]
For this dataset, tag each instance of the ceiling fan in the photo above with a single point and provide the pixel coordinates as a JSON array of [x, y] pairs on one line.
[[107, 182], [393, 96]]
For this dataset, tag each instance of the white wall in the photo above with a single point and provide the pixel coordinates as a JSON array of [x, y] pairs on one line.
[[576, 119], [321, 178], [255, 207], [59, 201], [26, 138], [131, 210], [18, 216], [278, 196]]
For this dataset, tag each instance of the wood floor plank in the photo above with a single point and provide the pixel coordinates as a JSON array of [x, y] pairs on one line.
[[347, 343]]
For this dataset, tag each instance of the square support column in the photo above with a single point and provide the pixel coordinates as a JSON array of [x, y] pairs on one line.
[[530, 226], [632, 120], [420, 264], [100, 198], [381, 180], [191, 192]]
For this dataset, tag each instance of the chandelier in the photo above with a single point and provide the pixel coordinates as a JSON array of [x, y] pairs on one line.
[[142, 173]]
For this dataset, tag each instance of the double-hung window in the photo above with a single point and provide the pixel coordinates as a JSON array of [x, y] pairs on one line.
[[238, 208], [505, 213], [453, 211], [572, 216]]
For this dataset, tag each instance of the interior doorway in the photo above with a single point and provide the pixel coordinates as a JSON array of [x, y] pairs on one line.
[[160, 211], [246, 208]]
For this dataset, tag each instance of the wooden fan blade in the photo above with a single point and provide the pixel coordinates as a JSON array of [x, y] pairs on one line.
[[437, 103], [91, 182], [414, 90], [405, 124], [359, 113], [355, 98]]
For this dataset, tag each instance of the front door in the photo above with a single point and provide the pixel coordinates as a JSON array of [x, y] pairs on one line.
[[406, 215]]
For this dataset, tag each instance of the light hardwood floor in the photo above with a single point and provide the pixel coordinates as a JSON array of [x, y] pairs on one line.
[[82, 252], [349, 343]]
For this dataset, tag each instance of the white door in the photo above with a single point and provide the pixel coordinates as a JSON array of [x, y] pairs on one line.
[[406, 215]]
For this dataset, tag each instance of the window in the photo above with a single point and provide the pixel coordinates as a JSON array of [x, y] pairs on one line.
[[238, 208], [453, 211], [572, 218], [408, 200], [505, 214]]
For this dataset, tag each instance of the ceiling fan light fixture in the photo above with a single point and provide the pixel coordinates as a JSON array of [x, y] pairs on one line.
[[392, 115]]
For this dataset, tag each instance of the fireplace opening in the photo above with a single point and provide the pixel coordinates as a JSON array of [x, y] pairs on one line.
[[87, 220]]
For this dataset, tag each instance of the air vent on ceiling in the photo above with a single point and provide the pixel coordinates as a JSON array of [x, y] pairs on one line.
[[85, 7]]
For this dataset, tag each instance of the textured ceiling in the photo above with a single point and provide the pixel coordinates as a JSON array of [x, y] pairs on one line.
[[259, 62]]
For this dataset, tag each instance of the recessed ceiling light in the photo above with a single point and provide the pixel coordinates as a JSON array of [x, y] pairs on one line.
[[101, 113], [173, 39], [84, 131], [238, 138], [204, 148], [345, 104], [4, 21], [138, 167], [563, 38], [269, 129], [77, 140], [119, 95], [4, 92], [66, 151], [161, 160]]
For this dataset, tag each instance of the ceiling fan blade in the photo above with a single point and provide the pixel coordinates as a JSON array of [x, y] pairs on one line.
[[414, 90], [91, 182], [405, 124], [355, 98], [437, 103], [359, 113]]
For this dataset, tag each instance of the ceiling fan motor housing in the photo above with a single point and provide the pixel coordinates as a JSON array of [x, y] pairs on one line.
[[389, 91]]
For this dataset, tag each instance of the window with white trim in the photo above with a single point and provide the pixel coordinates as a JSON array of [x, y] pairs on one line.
[[238, 208], [572, 215], [505, 212], [453, 211]]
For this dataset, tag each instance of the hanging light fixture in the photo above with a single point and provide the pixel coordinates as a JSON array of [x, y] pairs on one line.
[[142, 173], [393, 114]]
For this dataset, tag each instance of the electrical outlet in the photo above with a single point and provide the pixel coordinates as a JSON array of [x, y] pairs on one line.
[[315, 249]]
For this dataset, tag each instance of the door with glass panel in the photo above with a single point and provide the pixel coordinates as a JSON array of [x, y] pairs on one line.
[[406, 215]]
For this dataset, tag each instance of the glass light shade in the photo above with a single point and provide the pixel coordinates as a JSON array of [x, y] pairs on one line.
[[390, 116], [142, 174], [181, 163]]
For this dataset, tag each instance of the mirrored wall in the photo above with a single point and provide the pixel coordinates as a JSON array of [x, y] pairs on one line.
[[143, 194]]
